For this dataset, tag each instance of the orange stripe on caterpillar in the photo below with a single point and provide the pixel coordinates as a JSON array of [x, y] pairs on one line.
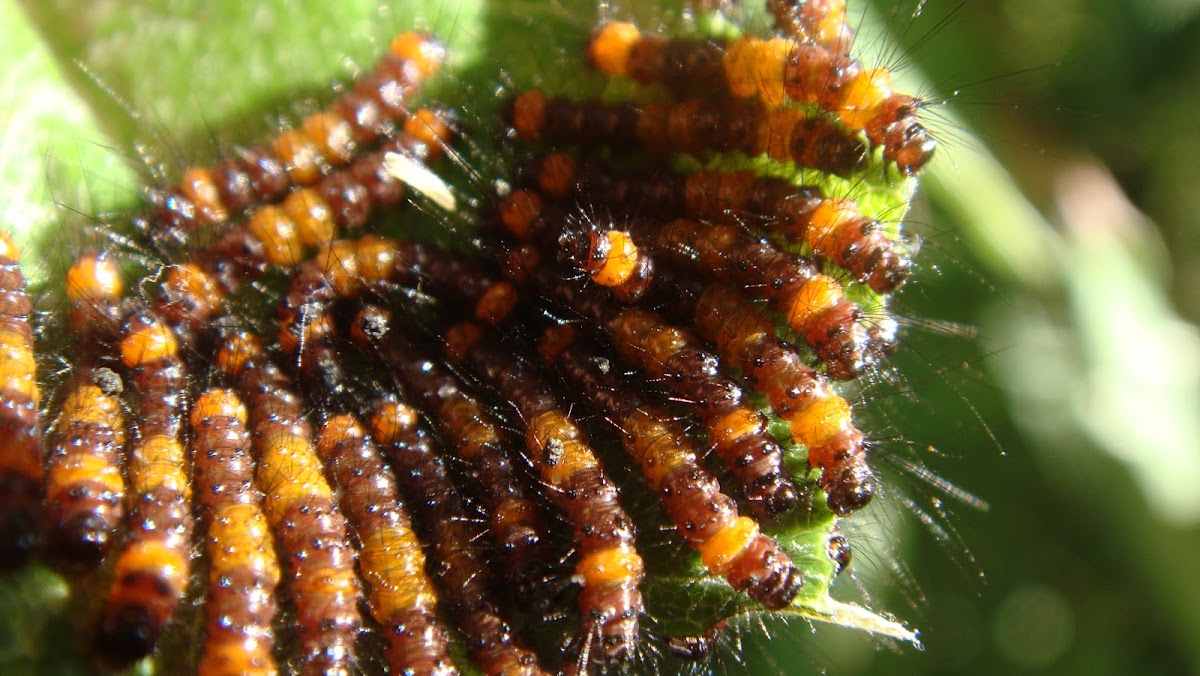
[[21, 452], [243, 569], [154, 566]]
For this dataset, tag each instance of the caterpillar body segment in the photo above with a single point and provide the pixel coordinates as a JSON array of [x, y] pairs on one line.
[[609, 565], [243, 568], [298, 501], [729, 544], [462, 574], [369, 111], [154, 566]]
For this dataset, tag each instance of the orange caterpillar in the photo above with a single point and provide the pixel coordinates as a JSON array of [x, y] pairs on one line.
[[813, 304], [818, 418], [517, 524], [194, 292], [324, 141], [243, 570], [729, 545], [776, 71], [609, 565], [311, 532], [831, 229], [21, 474], [819, 21], [737, 431], [401, 595], [153, 569], [463, 574], [697, 127], [85, 487]]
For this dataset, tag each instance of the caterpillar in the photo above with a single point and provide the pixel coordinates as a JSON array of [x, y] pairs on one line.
[[85, 485], [775, 71], [693, 127], [829, 229], [401, 594], [817, 417], [152, 570], [21, 473], [609, 565], [243, 568], [325, 140], [193, 292], [518, 525], [85, 489], [737, 432], [462, 572], [299, 505], [729, 544], [812, 303]]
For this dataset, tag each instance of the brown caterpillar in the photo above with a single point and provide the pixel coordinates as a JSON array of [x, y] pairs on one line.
[[311, 532], [21, 474], [462, 572], [194, 292], [776, 71], [243, 570], [697, 127], [729, 544], [831, 229], [609, 565], [517, 523], [813, 304], [85, 484], [817, 417], [324, 141], [737, 432], [400, 593], [153, 568]]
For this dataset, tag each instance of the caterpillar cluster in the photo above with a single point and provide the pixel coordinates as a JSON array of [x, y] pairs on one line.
[[388, 469]]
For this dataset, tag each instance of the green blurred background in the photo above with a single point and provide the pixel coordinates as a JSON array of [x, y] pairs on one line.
[[1086, 371], [1052, 365]]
